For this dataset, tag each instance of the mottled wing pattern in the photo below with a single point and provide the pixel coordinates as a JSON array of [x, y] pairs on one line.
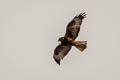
[[73, 27], [72, 32], [61, 51]]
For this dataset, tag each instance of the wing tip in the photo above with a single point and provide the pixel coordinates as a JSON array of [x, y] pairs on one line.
[[81, 15], [57, 60]]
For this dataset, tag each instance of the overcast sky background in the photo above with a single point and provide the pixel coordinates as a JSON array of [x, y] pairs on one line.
[[29, 30]]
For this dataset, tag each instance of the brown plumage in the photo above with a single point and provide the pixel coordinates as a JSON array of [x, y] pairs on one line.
[[68, 40]]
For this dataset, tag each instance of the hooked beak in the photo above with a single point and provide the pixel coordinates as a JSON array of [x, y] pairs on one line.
[[59, 41]]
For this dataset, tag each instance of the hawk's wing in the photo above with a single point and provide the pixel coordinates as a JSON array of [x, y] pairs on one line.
[[73, 27], [61, 51]]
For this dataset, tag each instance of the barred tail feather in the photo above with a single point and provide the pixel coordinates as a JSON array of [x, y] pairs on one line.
[[81, 45]]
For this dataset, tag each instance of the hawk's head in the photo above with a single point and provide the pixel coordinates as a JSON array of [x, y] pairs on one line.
[[61, 39]]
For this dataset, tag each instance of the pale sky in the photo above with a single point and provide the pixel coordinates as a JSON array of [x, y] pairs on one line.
[[29, 30]]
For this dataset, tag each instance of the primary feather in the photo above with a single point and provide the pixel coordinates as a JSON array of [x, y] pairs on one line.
[[73, 27], [61, 51]]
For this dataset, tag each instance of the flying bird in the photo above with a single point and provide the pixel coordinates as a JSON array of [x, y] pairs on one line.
[[68, 40]]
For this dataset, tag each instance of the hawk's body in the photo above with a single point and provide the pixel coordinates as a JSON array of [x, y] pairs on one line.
[[68, 40]]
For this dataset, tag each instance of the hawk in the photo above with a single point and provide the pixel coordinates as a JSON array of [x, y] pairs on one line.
[[68, 40]]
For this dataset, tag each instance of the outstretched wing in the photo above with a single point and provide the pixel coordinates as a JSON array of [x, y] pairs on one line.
[[61, 51], [73, 27]]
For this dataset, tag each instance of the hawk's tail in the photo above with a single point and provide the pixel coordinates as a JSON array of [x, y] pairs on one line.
[[81, 45]]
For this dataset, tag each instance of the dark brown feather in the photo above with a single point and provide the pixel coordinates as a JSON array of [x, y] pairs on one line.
[[61, 51], [73, 27]]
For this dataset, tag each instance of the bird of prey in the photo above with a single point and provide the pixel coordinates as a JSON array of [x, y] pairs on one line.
[[68, 40]]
